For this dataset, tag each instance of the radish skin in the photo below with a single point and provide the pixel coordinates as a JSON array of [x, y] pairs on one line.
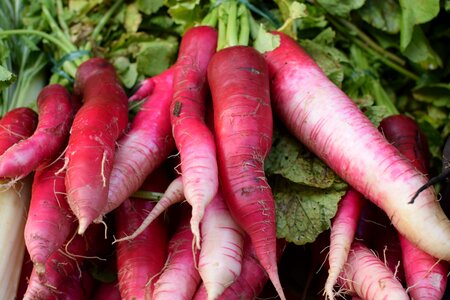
[[322, 117], [50, 219], [16, 125], [172, 195], [56, 110], [248, 285], [142, 258], [366, 276], [146, 145], [193, 138], [239, 83], [98, 124], [425, 276], [220, 258], [342, 233], [179, 278], [62, 265]]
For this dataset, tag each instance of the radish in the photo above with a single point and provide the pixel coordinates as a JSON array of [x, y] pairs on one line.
[[179, 278], [342, 233], [220, 258], [141, 259], [64, 264], [16, 125], [172, 195], [56, 111], [193, 139], [50, 219], [365, 275], [146, 145], [97, 125], [322, 117], [239, 83], [248, 285], [426, 276]]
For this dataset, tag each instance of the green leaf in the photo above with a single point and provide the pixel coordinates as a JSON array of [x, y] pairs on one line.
[[420, 52], [384, 15], [266, 41], [304, 212], [341, 8], [413, 13], [6, 78], [326, 55], [132, 18], [185, 12], [156, 56], [149, 7], [295, 162], [438, 94]]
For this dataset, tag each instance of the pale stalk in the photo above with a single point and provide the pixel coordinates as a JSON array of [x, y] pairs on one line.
[[14, 203]]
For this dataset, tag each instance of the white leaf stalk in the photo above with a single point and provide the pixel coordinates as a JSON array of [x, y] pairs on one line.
[[14, 201]]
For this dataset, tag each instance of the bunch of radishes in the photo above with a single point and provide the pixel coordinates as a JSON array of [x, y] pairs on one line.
[[89, 162]]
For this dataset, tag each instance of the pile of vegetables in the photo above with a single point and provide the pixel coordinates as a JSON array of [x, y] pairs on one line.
[[224, 150]]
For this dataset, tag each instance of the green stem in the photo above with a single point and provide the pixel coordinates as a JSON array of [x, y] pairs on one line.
[[41, 34], [102, 23], [382, 57], [155, 196], [244, 32], [232, 28], [387, 61], [62, 23], [211, 18], [57, 30], [221, 39], [364, 37]]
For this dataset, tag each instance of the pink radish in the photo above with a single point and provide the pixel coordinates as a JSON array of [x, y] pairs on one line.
[[322, 117], [16, 125], [172, 195], [50, 219], [366, 276], [426, 276], [342, 233], [179, 278], [141, 259], [62, 265], [98, 124], [249, 283], [193, 139], [220, 258], [56, 110], [239, 83], [146, 145]]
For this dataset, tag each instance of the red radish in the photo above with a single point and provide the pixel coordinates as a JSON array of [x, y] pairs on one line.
[[220, 258], [179, 278], [250, 282], [145, 146], [145, 88], [56, 110], [239, 83], [141, 259], [193, 139], [16, 125], [342, 233], [27, 267], [322, 117], [172, 195], [365, 275], [62, 265], [97, 125], [50, 219], [426, 276]]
